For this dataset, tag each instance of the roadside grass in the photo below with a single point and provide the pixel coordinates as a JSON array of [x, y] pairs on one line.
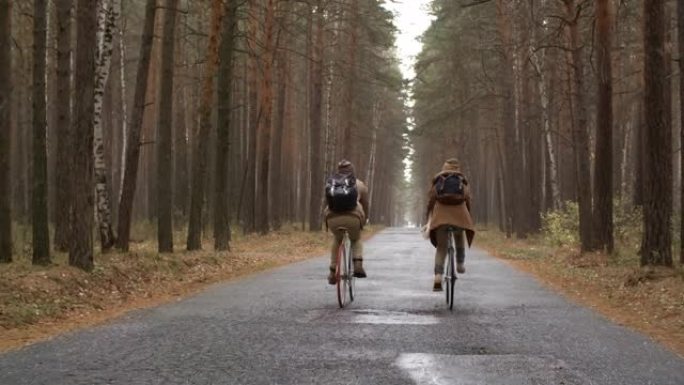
[[40, 301], [650, 300]]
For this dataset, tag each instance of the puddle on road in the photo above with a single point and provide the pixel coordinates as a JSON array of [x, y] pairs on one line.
[[367, 316], [510, 369], [383, 317]]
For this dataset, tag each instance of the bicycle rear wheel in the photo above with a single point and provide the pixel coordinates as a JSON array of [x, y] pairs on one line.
[[342, 274], [452, 280], [447, 279]]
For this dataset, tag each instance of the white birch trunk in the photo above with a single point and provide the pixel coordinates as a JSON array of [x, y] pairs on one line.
[[377, 117], [330, 133], [538, 64], [326, 145], [107, 15], [124, 109]]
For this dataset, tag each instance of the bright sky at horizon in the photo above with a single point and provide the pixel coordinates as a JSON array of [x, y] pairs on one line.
[[411, 19]]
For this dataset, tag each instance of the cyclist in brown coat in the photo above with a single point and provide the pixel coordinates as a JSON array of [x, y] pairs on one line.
[[441, 216], [353, 220]]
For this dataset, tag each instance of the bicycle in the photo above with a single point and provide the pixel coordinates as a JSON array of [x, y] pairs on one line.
[[344, 270], [449, 269]]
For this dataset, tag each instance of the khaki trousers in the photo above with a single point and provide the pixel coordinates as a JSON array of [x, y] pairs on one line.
[[353, 226], [442, 236]]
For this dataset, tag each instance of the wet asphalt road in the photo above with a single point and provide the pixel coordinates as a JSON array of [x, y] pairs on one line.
[[284, 327]]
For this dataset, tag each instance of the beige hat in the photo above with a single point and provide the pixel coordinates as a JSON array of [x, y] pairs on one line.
[[451, 165]]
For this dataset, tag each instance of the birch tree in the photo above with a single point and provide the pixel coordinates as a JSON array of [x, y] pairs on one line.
[[108, 14], [124, 108], [538, 59]]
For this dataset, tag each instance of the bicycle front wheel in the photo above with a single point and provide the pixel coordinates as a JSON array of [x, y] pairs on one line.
[[341, 274], [350, 268]]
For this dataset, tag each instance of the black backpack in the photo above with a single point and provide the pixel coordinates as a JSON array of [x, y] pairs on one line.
[[341, 193], [450, 188]]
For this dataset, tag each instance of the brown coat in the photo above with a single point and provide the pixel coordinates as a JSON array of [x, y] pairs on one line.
[[361, 207], [455, 215]]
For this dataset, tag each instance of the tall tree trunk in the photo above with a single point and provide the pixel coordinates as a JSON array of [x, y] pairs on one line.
[[624, 154], [124, 108], [555, 198], [133, 139], [581, 133], [81, 246], [165, 133], [200, 158], [640, 158], [224, 128], [330, 132], [181, 124], [277, 191], [539, 64], [180, 150], [254, 115], [372, 156], [5, 135], [603, 173], [656, 246], [41, 232], [521, 63], [680, 31], [534, 161], [63, 126], [263, 225], [509, 103], [350, 113], [315, 119], [107, 18]]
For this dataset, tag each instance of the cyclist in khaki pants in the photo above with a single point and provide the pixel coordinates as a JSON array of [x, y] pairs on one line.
[[442, 215], [352, 219]]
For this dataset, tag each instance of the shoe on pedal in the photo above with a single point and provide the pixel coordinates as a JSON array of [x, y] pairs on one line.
[[358, 269], [332, 279], [437, 286], [460, 268], [460, 260]]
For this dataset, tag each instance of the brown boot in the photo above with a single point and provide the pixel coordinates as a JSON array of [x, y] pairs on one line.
[[332, 278], [358, 268], [438, 283]]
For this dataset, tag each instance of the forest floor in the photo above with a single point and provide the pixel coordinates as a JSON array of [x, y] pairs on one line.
[[40, 302], [650, 300]]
